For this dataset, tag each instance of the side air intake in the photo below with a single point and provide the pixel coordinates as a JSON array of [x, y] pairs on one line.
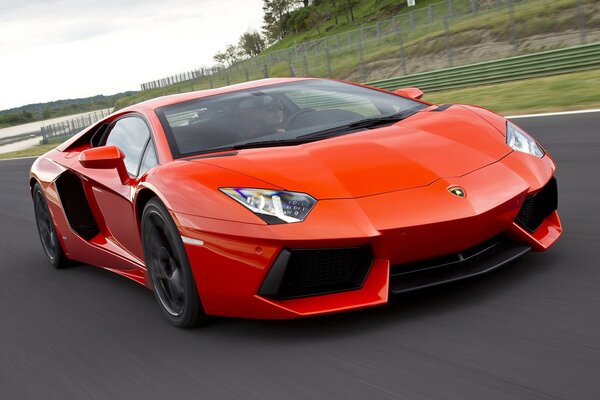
[[76, 206], [537, 207]]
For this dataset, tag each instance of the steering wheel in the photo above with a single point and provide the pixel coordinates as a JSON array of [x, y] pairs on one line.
[[290, 122]]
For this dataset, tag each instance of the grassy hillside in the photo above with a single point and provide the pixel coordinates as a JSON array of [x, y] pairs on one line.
[[366, 13], [477, 38]]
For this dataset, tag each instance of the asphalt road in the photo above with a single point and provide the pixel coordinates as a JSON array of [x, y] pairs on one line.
[[530, 330]]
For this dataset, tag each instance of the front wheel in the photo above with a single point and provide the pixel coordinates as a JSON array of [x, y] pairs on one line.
[[48, 235], [169, 268]]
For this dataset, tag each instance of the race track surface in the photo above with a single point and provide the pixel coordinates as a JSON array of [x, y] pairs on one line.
[[530, 330]]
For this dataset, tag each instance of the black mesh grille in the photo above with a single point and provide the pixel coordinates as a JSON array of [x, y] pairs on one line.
[[308, 272], [537, 207]]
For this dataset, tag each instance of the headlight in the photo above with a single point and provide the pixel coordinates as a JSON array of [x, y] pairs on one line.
[[273, 206], [520, 141]]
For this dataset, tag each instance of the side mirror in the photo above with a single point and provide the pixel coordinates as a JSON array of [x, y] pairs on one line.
[[106, 157], [410, 92]]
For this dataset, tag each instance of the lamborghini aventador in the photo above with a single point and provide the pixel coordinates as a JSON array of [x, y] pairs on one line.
[[284, 198]]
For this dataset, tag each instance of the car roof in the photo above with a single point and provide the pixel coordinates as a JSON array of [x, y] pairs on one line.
[[181, 97]]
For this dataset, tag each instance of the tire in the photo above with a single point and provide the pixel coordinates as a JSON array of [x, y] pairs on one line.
[[47, 230], [169, 268]]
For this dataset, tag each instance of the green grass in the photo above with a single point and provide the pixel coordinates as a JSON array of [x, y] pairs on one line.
[[31, 152], [566, 92]]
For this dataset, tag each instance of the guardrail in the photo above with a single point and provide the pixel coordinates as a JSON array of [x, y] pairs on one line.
[[553, 62]]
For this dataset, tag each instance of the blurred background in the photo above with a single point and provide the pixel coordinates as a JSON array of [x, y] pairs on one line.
[[464, 51]]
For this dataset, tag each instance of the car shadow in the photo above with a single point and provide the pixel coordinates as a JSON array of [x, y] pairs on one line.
[[400, 311]]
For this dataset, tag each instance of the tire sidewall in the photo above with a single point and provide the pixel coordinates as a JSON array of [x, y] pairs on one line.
[[59, 258], [192, 311]]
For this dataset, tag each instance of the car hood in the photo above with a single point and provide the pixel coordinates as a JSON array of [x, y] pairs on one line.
[[412, 153]]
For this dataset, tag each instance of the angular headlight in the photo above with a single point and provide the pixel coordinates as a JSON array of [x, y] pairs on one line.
[[273, 206], [520, 141]]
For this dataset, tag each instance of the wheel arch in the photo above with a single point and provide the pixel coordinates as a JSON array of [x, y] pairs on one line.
[[144, 195], [32, 182]]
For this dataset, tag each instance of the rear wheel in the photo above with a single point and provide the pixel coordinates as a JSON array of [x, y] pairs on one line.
[[169, 268], [47, 230]]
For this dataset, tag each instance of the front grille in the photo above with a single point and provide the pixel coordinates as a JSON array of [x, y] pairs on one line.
[[537, 207], [309, 272], [446, 260], [476, 260]]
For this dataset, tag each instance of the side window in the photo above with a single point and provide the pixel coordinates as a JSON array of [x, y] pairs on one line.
[[98, 135], [149, 160], [130, 134]]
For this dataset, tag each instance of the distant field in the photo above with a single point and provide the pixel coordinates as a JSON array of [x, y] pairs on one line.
[[556, 93], [33, 151], [35, 126], [54, 109]]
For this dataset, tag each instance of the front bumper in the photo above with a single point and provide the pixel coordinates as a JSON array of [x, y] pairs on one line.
[[401, 229]]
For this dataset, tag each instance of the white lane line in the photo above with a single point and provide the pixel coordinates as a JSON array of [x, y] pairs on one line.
[[550, 114], [17, 158]]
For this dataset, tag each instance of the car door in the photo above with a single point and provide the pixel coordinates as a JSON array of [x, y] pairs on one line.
[[114, 198]]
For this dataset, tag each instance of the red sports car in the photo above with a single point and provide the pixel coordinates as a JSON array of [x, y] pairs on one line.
[[283, 198]]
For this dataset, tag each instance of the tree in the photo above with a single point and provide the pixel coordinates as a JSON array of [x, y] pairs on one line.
[[300, 19], [233, 53], [251, 43], [335, 10], [276, 18], [220, 57], [350, 5], [230, 55], [316, 18]]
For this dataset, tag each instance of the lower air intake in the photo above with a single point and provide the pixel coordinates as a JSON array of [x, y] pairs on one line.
[[476, 260], [310, 272], [537, 207]]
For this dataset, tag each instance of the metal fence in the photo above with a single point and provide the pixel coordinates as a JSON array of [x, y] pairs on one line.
[[62, 130], [419, 40]]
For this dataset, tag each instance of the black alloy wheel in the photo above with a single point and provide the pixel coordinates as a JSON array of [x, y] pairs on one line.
[[46, 229], [169, 268]]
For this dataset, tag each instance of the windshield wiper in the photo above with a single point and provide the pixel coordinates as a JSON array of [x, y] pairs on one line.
[[363, 124], [270, 143]]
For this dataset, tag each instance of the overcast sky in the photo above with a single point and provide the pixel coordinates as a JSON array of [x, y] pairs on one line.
[[59, 49]]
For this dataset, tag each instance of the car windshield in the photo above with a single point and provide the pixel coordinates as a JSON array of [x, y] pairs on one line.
[[281, 114]]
